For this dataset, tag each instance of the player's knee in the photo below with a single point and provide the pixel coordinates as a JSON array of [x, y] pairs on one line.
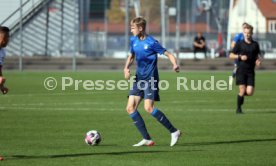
[[130, 109], [249, 93], [149, 109], [242, 93]]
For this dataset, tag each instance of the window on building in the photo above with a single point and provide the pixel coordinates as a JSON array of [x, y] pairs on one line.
[[272, 26]]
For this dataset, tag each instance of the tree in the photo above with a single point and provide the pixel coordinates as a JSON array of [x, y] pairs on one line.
[[115, 14], [151, 10]]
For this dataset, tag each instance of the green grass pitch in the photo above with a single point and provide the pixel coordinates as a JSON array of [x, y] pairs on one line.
[[42, 127]]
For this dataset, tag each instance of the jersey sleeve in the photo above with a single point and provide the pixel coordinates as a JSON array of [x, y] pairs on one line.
[[158, 48], [236, 38], [258, 50], [236, 49], [2, 56]]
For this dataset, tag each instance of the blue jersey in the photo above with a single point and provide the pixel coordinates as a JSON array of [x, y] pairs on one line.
[[2, 56], [145, 52], [238, 37]]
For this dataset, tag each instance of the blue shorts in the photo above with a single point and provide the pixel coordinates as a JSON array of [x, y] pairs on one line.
[[146, 90]]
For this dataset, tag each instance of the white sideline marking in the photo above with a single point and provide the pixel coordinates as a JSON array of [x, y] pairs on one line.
[[61, 104], [60, 109], [63, 93], [122, 109]]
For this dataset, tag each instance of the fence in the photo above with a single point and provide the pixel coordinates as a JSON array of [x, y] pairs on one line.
[[100, 28]]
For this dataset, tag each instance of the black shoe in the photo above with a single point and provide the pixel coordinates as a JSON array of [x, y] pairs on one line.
[[239, 111]]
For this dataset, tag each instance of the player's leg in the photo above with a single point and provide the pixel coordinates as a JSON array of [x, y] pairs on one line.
[[250, 84], [240, 98], [241, 81], [151, 94], [249, 90], [133, 102], [3, 89], [2, 81], [161, 117]]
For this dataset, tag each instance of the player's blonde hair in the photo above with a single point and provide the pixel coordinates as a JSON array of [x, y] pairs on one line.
[[140, 22], [250, 27], [244, 24]]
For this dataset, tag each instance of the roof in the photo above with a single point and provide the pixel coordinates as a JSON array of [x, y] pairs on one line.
[[267, 7], [152, 28]]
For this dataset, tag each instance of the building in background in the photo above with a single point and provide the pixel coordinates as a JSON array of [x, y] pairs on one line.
[[261, 14], [100, 28]]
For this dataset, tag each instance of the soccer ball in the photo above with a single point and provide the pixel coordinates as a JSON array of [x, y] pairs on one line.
[[93, 137]]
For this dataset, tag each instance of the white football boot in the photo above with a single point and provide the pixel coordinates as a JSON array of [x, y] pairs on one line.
[[144, 142], [175, 136]]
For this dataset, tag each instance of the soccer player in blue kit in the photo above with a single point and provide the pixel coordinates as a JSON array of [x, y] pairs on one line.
[[144, 48]]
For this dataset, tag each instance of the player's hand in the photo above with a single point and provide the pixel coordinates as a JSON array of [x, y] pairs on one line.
[[244, 57], [127, 74], [258, 62], [176, 68]]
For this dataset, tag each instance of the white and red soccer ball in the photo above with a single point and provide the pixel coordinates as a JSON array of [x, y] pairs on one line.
[[93, 137]]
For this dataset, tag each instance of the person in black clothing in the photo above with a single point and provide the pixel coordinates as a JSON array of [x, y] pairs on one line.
[[199, 45], [4, 40], [247, 53]]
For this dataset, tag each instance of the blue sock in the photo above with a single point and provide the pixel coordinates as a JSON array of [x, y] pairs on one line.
[[140, 124], [163, 120]]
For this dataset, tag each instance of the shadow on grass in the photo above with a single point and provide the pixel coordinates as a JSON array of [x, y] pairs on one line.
[[263, 112], [228, 142], [19, 157]]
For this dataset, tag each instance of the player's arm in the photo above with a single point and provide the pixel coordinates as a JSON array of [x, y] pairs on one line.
[[196, 44], [202, 42], [234, 54], [129, 62], [259, 58], [173, 61], [237, 56], [233, 43], [235, 49], [235, 40], [258, 61]]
